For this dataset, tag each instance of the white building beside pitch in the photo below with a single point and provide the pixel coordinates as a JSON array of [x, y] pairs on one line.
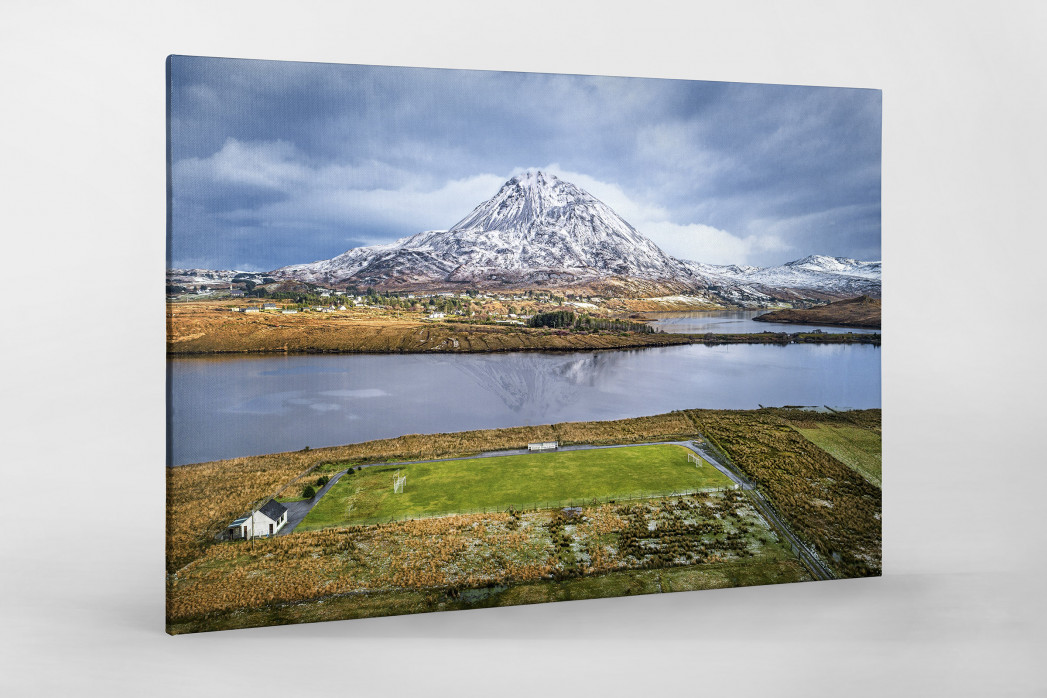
[[266, 521]]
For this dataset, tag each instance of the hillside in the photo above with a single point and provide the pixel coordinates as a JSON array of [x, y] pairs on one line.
[[855, 312]]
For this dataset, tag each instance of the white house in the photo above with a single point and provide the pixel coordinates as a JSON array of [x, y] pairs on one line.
[[269, 306], [266, 521]]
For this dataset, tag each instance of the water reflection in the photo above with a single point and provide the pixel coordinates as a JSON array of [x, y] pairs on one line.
[[731, 322], [228, 407]]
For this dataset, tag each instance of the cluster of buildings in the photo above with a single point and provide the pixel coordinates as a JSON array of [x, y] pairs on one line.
[[286, 311]]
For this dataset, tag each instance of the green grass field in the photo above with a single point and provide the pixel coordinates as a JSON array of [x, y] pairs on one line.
[[540, 480], [858, 449]]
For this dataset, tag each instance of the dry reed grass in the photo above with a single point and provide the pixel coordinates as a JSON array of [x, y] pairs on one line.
[[827, 503], [453, 553]]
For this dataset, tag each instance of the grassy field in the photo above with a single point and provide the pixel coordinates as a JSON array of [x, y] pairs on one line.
[[853, 446], [664, 544], [541, 480], [203, 498], [710, 540]]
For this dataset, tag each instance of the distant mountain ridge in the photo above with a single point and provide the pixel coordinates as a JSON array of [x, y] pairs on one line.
[[815, 275], [539, 230]]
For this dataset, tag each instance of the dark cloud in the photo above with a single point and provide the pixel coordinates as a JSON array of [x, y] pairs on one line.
[[275, 163]]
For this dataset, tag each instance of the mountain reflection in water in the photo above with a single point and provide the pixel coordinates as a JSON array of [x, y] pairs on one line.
[[228, 407]]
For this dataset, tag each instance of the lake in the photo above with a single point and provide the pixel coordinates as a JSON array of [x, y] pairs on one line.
[[228, 407], [731, 322]]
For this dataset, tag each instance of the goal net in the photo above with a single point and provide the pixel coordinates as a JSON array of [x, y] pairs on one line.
[[695, 458], [399, 482]]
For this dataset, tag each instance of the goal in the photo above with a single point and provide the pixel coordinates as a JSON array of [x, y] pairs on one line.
[[696, 459], [399, 482]]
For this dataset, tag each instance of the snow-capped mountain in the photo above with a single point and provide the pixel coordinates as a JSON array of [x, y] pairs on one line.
[[210, 276], [817, 275], [540, 230], [537, 228]]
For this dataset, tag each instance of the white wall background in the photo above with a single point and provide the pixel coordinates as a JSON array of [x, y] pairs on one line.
[[960, 611]]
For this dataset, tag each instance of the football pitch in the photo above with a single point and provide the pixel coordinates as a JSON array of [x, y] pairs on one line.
[[538, 480]]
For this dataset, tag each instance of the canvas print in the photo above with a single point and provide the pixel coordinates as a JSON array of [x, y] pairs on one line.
[[455, 339]]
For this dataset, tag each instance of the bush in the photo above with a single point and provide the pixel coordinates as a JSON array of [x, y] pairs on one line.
[[322, 480], [308, 492]]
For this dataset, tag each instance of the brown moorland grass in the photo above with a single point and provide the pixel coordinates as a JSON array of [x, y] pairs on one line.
[[827, 503], [201, 328], [204, 498], [853, 312], [460, 553], [209, 328]]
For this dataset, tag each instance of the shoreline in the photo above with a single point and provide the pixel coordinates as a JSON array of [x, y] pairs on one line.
[[452, 344], [860, 326]]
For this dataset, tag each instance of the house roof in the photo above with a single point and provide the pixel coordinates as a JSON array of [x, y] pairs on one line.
[[238, 522], [273, 509]]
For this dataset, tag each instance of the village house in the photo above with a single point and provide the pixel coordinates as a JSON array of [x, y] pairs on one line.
[[264, 522], [269, 306]]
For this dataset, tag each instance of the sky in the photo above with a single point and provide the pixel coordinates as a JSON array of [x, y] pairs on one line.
[[275, 163]]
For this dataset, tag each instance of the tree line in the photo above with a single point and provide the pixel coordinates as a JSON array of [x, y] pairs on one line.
[[569, 320]]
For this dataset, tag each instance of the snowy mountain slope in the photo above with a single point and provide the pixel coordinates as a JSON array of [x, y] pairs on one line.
[[829, 277], [539, 229], [535, 228], [209, 276]]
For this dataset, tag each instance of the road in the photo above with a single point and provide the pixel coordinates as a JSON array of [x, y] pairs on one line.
[[296, 511], [808, 558]]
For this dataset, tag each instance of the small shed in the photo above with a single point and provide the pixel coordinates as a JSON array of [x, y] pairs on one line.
[[265, 521], [543, 446]]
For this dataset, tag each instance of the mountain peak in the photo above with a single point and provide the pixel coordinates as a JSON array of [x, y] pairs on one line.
[[536, 228], [534, 178]]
